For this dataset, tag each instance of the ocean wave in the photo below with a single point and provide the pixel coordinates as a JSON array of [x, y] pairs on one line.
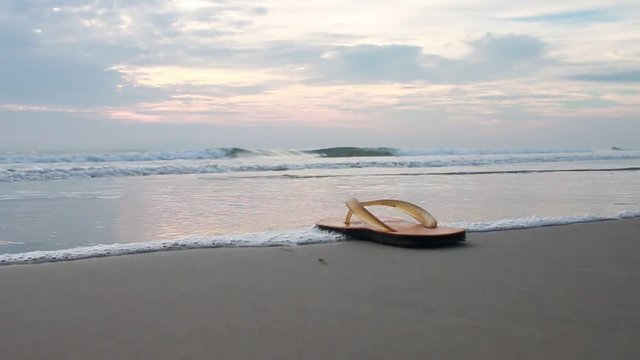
[[235, 152], [472, 172], [265, 239], [498, 151], [537, 221], [5, 242], [340, 152], [114, 157], [207, 154], [529, 222], [119, 170], [280, 238]]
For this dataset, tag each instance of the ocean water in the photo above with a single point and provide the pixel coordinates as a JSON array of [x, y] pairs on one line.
[[76, 205]]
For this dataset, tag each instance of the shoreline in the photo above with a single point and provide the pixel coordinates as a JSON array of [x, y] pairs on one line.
[[557, 292], [291, 237]]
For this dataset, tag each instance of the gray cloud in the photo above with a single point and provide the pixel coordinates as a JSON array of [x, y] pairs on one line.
[[496, 56], [491, 57], [31, 75], [372, 63], [30, 79], [67, 63], [129, 31], [35, 74], [151, 33], [632, 76], [14, 39], [506, 49]]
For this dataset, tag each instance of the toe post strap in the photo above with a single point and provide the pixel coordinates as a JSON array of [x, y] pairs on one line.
[[359, 208]]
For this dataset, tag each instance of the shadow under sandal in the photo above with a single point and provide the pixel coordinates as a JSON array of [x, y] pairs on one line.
[[395, 232]]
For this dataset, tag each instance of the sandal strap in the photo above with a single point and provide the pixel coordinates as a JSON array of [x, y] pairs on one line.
[[418, 213]]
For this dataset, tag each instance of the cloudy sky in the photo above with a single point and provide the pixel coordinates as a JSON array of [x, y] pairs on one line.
[[143, 74]]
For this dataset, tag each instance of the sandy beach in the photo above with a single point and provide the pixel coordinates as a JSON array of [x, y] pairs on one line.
[[564, 292]]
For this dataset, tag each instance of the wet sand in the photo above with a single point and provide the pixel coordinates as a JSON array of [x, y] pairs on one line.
[[565, 292]]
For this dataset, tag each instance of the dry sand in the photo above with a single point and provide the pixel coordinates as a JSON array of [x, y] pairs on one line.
[[566, 292]]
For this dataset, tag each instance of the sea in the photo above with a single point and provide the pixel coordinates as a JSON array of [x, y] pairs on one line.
[[65, 206]]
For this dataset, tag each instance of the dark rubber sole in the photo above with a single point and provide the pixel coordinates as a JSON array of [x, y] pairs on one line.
[[407, 241]]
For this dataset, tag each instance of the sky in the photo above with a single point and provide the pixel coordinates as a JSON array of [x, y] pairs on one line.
[[193, 74]]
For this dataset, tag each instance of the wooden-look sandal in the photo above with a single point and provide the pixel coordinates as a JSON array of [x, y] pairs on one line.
[[395, 232]]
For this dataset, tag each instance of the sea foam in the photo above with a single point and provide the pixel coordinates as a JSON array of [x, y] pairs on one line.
[[263, 239], [279, 238], [231, 153], [124, 169]]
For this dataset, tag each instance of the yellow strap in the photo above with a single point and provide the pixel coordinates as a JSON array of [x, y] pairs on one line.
[[418, 213], [356, 207]]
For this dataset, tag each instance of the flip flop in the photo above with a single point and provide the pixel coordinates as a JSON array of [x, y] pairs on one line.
[[395, 232]]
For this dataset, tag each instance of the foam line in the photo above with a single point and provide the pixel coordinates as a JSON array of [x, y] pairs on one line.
[[228, 153], [271, 238], [278, 238], [80, 171]]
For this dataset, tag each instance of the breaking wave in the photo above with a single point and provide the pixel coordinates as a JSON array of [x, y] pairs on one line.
[[91, 170], [232, 153]]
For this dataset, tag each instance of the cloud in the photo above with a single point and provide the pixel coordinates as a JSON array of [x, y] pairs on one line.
[[365, 66], [48, 81], [69, 52], [372, 63], [495, 57], [491, 57], [63, 81], [506, 49], [135, 32], [582, 16], [31, 76], [632, 76], [46, 131], [12, 38]]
